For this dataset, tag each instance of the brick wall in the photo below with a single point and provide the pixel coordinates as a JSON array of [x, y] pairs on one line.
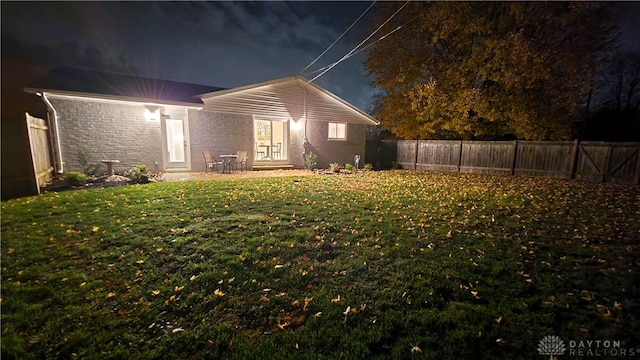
[[220, 134], [120, 131], [339, 151], [107, 131]]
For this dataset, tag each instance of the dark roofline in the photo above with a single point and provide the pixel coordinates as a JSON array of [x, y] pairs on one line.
[[75, 80]]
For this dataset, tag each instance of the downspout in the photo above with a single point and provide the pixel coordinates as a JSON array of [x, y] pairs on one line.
[[54, 121], [304, 102]]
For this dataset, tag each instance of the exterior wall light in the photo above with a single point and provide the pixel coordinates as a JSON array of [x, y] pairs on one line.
[[296, 125], [152, 114]]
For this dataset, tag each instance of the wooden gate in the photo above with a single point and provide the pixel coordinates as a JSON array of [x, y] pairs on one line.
[[609, 162], [40, 153]]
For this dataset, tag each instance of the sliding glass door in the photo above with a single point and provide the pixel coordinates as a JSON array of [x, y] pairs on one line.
[[270, 139]]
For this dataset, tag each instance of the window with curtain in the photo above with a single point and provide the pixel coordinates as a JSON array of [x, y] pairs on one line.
[[337, 131]]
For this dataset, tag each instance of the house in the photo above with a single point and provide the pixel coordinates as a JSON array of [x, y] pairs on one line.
[[167, 125]]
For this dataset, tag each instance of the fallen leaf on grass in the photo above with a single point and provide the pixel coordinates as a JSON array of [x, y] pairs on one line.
[[337, 301], [151, 326], [218, 293], [177, 330], [178, 288], [307, 301], [170, 300], [499, 320], [415, 349], [283, 325], [317, 315], [155, 292], [111, 295], [140, 262], [192, 278], [95, 229]]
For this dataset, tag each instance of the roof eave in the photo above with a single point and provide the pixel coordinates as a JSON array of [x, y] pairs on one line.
[[75, 94]]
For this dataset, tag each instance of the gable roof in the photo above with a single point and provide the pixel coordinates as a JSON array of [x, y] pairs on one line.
[[292, 96], [79, 81]]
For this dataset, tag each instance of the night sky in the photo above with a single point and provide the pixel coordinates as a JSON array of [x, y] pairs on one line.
[[224, 44]]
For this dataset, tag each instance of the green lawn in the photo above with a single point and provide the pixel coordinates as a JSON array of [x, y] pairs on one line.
[[424, 265]]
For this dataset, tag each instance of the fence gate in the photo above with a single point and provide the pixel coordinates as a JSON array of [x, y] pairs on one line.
[[40, 145]]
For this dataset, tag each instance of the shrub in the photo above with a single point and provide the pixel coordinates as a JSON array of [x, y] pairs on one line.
[[144, 169], [84, 159], [348, 166], [134, 174], [138, 173], [310, 161], [75, 178], [334, 167], [368, 166]]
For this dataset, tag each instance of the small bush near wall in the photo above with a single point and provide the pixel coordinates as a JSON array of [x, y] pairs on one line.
[[310, 161], [75, 178]]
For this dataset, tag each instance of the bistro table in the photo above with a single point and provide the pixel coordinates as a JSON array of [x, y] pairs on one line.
[[268, 148], [228, 161]]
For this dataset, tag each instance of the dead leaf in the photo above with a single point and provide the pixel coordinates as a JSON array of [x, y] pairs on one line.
[[337, 300], [111, 295], [307, 301], [218, 293], [415, 349]]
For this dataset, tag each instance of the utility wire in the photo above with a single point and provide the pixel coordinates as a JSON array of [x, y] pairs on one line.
[[340, 37], [362, 42], [371, 44]]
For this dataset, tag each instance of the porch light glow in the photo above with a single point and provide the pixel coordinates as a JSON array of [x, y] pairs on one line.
[[152, 115], [296, 124]]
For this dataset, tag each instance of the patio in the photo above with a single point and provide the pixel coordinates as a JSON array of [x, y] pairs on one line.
[[193, 176]]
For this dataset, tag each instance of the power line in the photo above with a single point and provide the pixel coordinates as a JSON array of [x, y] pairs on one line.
[[362, 42], [371, 44], [340, 37]]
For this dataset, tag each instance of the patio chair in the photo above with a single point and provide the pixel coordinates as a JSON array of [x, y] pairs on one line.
[[242, 160], [210, 162], [258, 152], [277, 150]]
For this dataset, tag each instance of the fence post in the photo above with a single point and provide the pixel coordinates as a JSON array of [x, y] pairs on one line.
[[460, 156], [515, 154], [636, 179], [415, 160], [574, 158], [607, 160]]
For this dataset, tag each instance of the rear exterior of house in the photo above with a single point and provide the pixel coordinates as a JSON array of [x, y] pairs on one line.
[[275, 122]]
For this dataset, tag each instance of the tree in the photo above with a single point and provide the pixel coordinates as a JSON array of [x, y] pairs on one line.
[[477, 70], [617, 90]]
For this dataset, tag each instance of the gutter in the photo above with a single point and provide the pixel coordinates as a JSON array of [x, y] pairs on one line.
[[54, 121]]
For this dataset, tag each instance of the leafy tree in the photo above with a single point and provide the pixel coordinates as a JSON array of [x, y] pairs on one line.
[[477, 70]]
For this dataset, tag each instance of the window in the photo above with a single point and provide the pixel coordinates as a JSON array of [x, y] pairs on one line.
[[337, 131]]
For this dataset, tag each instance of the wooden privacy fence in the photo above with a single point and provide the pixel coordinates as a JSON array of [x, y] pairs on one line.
[[587, 160], [39, 144]]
